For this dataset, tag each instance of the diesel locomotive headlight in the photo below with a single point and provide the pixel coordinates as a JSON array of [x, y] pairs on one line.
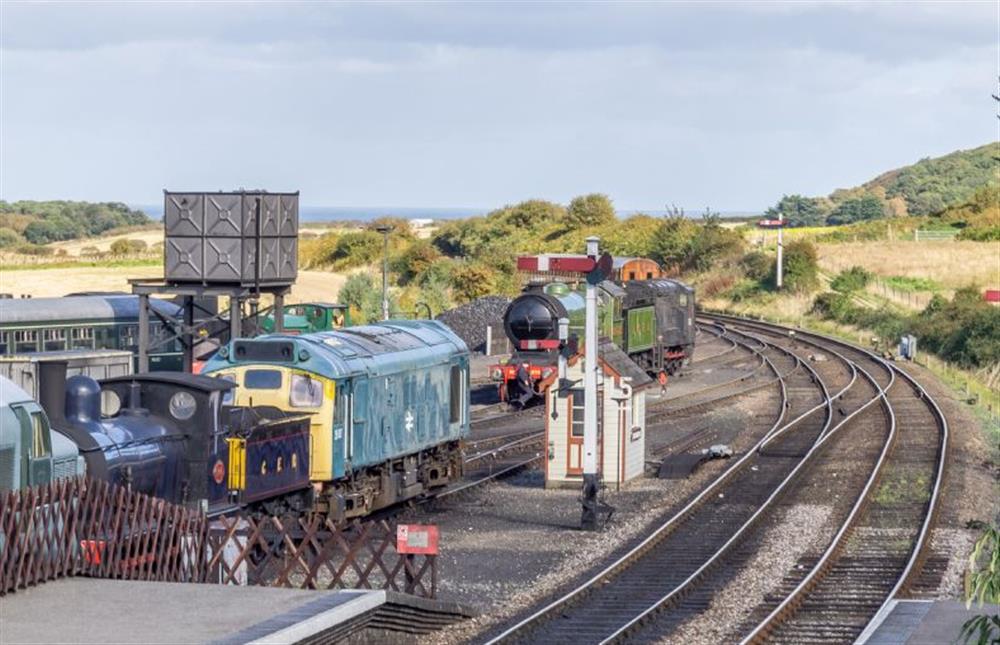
[[305, 392]]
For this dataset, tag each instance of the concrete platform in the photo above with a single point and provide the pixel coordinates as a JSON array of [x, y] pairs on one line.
[[86, 610], [921, 622]]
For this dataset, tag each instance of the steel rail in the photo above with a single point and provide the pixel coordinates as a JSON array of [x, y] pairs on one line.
[[651, 540], [932, 508], [532, 436], [477, 482], [919, 545], [763, 508]]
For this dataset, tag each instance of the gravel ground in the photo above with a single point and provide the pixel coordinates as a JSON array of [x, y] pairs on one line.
[[507, 546], [798, 529]]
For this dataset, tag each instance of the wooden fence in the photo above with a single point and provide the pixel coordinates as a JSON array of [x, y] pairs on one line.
[[88, 527], [311, 552]]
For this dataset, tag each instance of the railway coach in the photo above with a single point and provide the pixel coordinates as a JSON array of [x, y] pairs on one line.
[[86, 322], [389, 406]]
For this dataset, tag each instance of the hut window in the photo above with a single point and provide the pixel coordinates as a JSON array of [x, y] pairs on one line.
[[579, 400]]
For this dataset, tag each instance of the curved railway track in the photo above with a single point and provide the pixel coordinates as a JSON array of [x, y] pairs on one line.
[[684, 545], [880, 544], [637, 597]]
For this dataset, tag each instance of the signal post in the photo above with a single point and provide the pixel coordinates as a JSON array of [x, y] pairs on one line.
[[613, 441]]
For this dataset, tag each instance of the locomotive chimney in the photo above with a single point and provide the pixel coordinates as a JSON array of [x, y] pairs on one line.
[[52, 388]]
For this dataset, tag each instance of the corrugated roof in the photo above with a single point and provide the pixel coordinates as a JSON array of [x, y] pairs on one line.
[[14, 311]]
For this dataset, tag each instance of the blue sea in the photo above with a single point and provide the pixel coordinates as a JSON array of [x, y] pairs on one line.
[[368, 213]]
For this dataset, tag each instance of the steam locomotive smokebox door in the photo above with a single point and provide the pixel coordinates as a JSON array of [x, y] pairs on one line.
[[237, 238]]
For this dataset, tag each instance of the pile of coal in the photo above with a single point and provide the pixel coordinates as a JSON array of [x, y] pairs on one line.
[[470, 320]]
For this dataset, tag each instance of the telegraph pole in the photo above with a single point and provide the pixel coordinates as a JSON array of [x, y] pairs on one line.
[[781, 226], [588, 520]]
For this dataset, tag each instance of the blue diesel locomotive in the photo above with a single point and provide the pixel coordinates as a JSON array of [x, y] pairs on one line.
[[389, 406]]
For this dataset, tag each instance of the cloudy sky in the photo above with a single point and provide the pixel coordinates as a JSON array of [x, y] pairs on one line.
[[726, 105]]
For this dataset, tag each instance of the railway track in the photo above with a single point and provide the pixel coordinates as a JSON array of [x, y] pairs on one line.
[[684, 544], [627, 599], [880, 543]]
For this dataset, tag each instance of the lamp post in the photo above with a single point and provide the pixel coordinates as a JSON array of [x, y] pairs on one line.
[[384, 230]]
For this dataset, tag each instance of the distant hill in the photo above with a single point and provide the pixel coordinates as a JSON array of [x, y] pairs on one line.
[[52, 221], [928, 187], [932, 185]]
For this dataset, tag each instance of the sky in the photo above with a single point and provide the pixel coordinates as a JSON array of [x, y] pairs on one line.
[[721, 105]]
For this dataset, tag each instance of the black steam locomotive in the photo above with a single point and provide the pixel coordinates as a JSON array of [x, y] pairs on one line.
[[173, 436], [651, 320]]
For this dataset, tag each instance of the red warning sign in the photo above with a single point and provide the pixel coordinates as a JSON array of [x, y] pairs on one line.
[[419, 539]]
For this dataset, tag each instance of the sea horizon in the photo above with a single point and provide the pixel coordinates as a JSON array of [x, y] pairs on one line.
[[368, 213]]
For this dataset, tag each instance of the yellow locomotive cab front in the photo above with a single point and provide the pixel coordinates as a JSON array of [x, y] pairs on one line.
[[295, 391]]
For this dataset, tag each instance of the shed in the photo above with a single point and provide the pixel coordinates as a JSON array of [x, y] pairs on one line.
[[621, 421]]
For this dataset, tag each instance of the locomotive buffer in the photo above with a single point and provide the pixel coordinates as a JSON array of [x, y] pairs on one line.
[[596, 268]]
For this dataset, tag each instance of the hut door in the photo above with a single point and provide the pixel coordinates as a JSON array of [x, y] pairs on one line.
[[574, 442]]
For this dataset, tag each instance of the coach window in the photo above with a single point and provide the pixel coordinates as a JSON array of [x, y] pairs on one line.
[[55, 340], [129, 338], [682, 300], [25, 340], [3, 342], [455, 407], [104, 338], [81, 338]]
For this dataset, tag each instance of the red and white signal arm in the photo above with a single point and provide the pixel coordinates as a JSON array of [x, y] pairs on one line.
[[771, 223], [418, 539]]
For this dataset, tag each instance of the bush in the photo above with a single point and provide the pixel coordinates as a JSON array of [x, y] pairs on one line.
[[34, 249], [399, 227], [801, 267], [9, 237], [471, 280], [850, 280], [414, 260], [632, 237], [757, 265], [859, 209], [965, 330], [90, 251], [833, 305], [127, 247], [356, 249], [361, 293], [594, 209]]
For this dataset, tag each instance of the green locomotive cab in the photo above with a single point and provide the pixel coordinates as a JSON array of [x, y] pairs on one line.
[[31, 453], [309, 317]]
